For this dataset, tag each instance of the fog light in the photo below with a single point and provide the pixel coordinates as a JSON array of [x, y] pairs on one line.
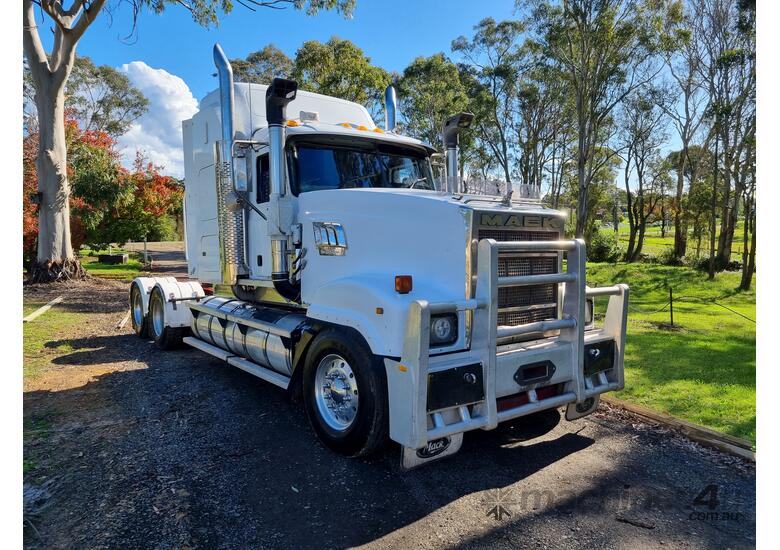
[[444, 329]]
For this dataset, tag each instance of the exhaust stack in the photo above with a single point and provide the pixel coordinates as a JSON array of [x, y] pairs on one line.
[[453, 126], [230, 213], [278, 95], [391, 107]]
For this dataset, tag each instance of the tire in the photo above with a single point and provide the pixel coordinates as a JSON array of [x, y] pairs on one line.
[[357, 378], [164, 336], [139, 320]]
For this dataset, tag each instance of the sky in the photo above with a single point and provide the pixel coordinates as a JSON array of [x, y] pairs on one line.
[[169, 58]]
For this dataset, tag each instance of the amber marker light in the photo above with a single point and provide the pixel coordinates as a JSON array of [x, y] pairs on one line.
[[403, 284]]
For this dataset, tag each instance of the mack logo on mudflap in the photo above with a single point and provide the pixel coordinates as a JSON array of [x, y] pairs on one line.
[[514, 220], [433, 448]]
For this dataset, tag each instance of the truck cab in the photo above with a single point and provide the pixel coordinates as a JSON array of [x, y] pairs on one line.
[[398, 305]]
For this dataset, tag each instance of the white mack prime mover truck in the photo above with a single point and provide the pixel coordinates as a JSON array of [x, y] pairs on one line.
[[393, 308]]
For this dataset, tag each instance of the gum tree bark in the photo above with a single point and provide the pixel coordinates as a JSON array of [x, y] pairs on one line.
[[55, 259]]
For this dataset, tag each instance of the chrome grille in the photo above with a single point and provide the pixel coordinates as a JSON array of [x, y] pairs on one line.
[[515, 296], [507, 235], [514, 318], [516, 266], [525, 304]]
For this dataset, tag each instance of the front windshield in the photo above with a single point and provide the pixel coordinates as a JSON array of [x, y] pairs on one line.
[[318, 167]]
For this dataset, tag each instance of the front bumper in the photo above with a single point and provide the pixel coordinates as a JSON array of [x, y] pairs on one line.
[[516, 379]]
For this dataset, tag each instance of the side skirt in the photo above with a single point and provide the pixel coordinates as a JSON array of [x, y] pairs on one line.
[[236, 361]]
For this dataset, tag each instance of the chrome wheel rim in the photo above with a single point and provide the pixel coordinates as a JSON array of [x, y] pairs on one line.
[[158, 317], [138, 308], [336, 392]]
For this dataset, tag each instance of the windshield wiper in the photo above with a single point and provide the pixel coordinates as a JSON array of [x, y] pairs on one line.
[[415, 182]]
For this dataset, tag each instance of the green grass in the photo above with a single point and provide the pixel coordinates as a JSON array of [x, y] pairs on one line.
[[41, 330], [127, 271], [705, 372], [655, 244]]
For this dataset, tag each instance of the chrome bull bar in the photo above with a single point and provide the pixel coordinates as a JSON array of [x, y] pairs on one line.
[[413, 425]]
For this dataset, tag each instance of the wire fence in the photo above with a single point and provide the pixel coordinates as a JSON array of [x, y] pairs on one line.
[[669, 305]]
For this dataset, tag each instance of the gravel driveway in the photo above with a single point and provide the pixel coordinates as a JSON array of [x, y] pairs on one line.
[[134, 447]]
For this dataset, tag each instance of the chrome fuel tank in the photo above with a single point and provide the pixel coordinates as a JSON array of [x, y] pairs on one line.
[[257, 333]]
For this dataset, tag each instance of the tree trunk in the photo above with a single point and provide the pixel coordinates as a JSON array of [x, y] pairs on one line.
[[726, 229], [663, 219], [582, 194], [748, 257], [640, 239], [713, 209], [55, 258], [680, 232]]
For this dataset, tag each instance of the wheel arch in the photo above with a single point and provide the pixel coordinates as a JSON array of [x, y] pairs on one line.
[[307, 333]]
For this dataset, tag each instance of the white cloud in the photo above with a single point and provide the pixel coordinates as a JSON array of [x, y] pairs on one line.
[[158, 132]]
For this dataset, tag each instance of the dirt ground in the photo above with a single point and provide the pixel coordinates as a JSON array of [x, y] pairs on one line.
[[127, 446]]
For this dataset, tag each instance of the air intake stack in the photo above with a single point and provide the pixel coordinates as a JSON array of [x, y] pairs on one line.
[[278, 95], [453, 126]]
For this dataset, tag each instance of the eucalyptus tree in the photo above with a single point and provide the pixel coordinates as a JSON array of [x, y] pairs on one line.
[[726, 31], [429, 91], [607, 49], [685, 105], [262, 66], [69, 20], [642, 134], [340, 68], [491, 58]]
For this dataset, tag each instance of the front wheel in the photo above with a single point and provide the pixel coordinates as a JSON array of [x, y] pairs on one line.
[[164, 336], [345, 393]]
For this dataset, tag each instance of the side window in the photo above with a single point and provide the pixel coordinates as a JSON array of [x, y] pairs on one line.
[[263, 181]]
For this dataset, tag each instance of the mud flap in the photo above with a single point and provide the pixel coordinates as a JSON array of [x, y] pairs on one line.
[[434, 450], [578, 410]]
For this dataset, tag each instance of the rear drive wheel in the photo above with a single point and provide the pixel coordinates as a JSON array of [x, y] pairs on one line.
[[345, 393], [164, 336], [139, 320]]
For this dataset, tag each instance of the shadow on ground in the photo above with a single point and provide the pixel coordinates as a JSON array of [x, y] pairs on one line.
[[174, 449]]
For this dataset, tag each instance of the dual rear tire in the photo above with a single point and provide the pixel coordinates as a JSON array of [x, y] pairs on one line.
[[152, 325]]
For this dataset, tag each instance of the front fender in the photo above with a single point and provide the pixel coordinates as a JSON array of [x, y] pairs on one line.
[[370, 305]]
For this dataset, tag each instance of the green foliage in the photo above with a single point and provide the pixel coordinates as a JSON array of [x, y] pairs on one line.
[[103, 99], [429, 91], [339, 68], [604, 247], [207, 12], [668, 257], [262, 66], [490, 67]]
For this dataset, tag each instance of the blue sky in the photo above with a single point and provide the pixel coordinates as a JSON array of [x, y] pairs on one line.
[[391, 34], [169, 58]]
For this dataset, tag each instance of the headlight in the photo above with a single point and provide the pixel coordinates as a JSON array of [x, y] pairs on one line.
[[444, 329]]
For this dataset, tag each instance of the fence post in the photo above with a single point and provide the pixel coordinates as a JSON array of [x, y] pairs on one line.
[[146, 256], [671, 307]]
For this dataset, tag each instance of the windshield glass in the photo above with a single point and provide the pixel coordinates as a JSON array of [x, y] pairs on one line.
[[317, 167]]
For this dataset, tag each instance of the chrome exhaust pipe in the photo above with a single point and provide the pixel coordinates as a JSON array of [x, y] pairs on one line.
[[453, 126], [391, 107], [230, 213]]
